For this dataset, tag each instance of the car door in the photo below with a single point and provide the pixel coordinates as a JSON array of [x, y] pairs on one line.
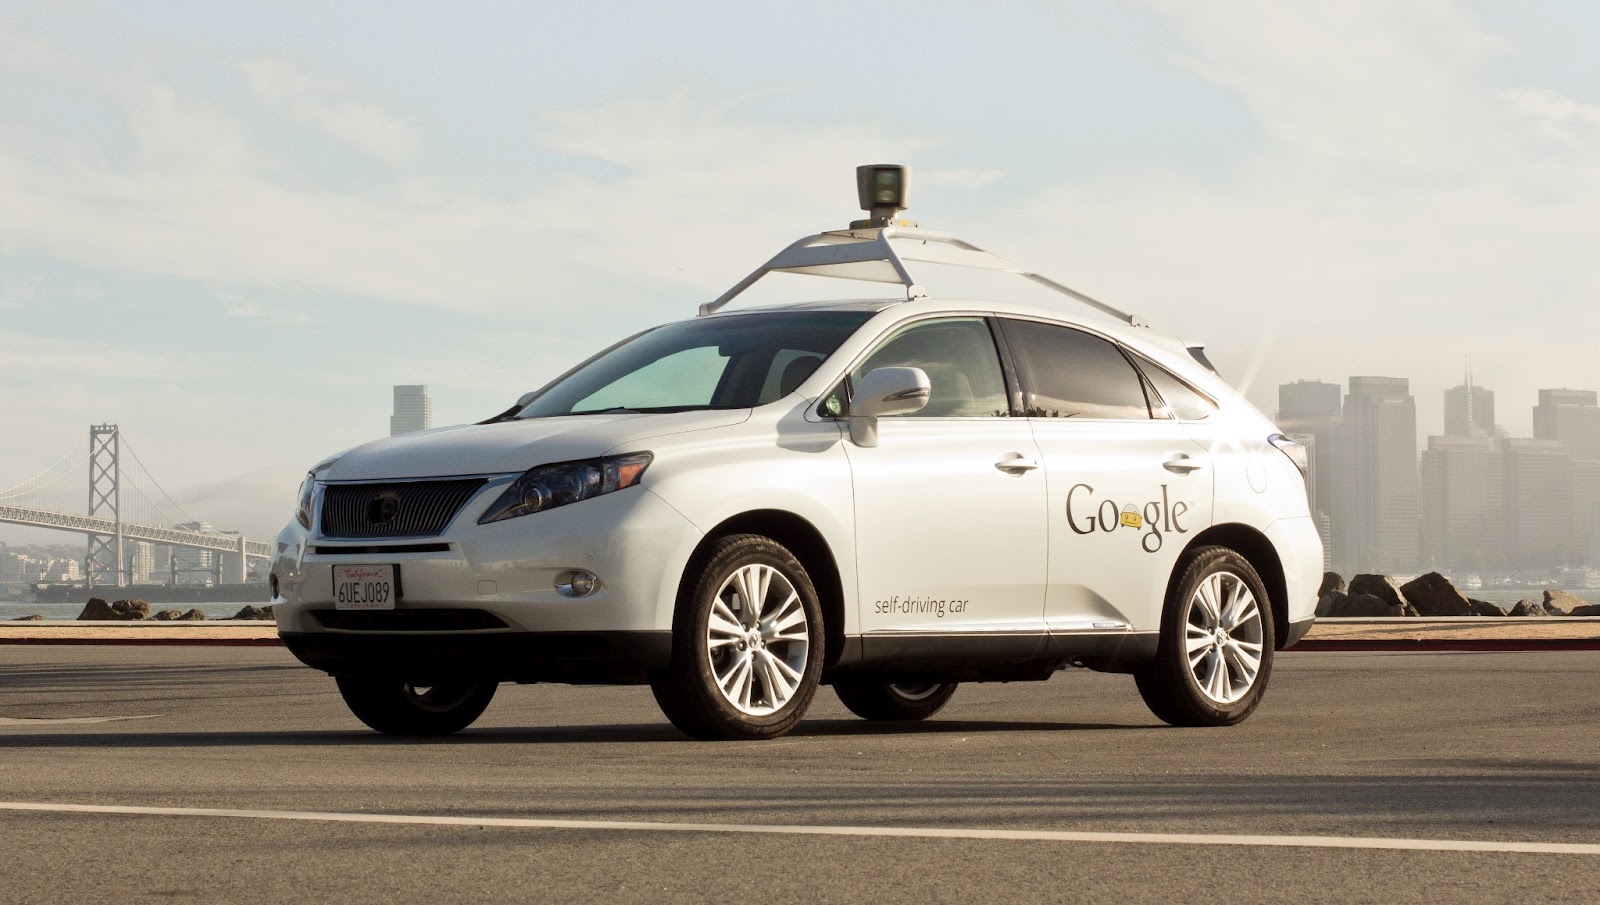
[[950, 505], [1128, 486]]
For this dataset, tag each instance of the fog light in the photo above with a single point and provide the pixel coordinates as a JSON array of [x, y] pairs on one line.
[[577, 583]]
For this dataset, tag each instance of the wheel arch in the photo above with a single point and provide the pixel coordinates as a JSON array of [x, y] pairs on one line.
[[807, 544], [1259, 552]]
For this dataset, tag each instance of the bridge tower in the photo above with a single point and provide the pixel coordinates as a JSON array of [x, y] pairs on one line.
[[103, 565]]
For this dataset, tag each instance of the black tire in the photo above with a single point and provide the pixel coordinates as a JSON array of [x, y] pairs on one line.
[[760, 702], [397, 707], [1185, 688], [894, 701]]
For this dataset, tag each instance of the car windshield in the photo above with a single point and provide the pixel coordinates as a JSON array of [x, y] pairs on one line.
[[730, 362]]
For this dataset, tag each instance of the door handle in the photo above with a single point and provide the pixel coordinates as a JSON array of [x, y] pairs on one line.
[[1017, 463], [1182, 464]]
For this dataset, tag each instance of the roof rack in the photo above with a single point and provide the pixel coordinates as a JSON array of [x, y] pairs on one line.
[[865, 254]]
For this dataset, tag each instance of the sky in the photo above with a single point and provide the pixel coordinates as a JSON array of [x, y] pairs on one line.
[[231, 228]]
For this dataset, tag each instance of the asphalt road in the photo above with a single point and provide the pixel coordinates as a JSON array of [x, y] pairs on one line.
[[1474, 747]]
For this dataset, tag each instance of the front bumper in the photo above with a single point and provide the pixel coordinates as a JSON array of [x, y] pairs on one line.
[[636, 544]]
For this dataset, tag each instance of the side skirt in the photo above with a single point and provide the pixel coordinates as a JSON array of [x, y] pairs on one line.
[[993, 656]]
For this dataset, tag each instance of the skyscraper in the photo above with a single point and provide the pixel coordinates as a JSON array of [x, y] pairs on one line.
[[413, 409], [1572, 417], [1310, 408], [1469, 410], [1374, 501], [1463, 505], [1539, 510]]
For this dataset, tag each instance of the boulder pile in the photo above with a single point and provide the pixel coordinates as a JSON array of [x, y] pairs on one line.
[[1427, 596], [98, 609], [122, 610]]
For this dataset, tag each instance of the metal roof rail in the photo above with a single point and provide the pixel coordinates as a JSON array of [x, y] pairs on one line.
[[865, 254]]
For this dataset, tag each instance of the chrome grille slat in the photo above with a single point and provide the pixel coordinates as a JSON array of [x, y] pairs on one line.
[[424, 508]]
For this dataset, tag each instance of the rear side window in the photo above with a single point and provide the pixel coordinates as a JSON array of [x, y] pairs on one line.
[[1068, 373], [1185, 402]]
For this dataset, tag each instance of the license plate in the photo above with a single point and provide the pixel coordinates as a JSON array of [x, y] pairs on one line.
[[364, 587]]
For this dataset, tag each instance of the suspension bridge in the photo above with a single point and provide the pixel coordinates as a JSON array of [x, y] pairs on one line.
[[125, 506]]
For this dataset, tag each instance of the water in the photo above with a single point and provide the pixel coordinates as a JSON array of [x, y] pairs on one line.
[[11, 609]]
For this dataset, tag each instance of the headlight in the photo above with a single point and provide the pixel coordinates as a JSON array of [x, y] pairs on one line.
[[1293, 449], [549, 486], [308, 495]]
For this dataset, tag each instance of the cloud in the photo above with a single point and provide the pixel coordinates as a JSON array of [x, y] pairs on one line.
[[27, 360], [271, 316], [20, 292], [190, 190], [335, 109]]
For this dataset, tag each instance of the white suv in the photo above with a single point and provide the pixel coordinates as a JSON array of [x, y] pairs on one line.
[[889, 497]]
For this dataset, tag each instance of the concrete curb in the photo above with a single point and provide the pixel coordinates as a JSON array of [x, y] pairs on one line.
[[216, 632]]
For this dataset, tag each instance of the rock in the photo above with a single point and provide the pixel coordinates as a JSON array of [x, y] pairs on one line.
[[1383, 588], [130, 609], [1559, 603], [1524, 608], [254, 612], [1331, 602], [165, 615], [1433, 595], [125, 610], [192, 616], [1365, 605], [1330, 582], [33, 618], [1588, 609], [1485, 608], [96, 609]]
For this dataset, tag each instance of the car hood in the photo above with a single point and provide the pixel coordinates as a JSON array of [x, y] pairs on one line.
[[513, 446]]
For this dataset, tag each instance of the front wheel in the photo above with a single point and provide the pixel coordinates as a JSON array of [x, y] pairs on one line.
[[888, 701], [746, 644], [397, 707], [1215, 652]]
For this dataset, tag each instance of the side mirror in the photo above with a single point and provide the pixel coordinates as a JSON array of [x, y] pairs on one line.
[[886, 391]]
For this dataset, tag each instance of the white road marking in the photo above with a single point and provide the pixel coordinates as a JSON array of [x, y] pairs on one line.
[[45, 721], [908, 832]]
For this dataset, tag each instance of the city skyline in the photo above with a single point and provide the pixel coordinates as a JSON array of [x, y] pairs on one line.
[[234, 235], [1473, 498]]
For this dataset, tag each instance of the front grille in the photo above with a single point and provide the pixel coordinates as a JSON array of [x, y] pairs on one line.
[[400, 509], [380, 549], [408, 620]]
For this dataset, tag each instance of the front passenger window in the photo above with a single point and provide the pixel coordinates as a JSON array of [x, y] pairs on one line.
[[959, 357]]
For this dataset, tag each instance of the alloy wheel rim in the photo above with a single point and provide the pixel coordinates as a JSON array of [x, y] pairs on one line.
[[1223, 640], [438, 698], [758, 640], [915, 691]]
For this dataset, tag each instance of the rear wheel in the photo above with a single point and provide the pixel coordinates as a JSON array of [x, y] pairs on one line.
[[397, 707], [1215, 654], [888, 701], [746, 644]]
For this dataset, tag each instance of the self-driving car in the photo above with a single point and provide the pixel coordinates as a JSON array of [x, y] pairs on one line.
[[889, 496]]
